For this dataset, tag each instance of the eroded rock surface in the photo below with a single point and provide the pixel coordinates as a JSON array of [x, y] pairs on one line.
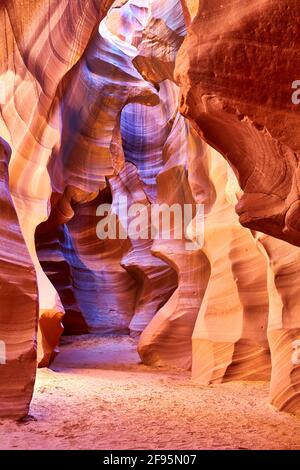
[[236, 68], [18, 306]]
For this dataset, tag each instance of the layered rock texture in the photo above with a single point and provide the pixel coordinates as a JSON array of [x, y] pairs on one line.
[[283, 325], [230, 336], [149, 186], [19, 306], [241, 102]]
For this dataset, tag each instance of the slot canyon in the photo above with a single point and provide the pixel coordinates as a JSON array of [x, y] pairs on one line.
[[150, 224]]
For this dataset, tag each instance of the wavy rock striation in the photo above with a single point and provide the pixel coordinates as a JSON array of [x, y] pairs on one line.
[[19, 307], [230, 335], [241, 102], [40, 43], [284, 322], [167, 338]]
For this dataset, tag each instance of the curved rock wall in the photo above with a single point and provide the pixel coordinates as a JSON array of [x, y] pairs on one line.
[[230, 336], [40, 43], [284, 322], [18, 306], [241, 102], [167, 338]]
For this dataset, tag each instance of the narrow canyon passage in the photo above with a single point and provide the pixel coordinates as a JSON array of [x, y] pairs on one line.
[[149, 230], [97, 395]]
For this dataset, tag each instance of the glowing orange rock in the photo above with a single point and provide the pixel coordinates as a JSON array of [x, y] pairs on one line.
[[241, 102], [230, 336], [284, 322], [18, 307]]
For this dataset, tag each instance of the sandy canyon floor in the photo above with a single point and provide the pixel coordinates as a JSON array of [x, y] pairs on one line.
[[99, 396]]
